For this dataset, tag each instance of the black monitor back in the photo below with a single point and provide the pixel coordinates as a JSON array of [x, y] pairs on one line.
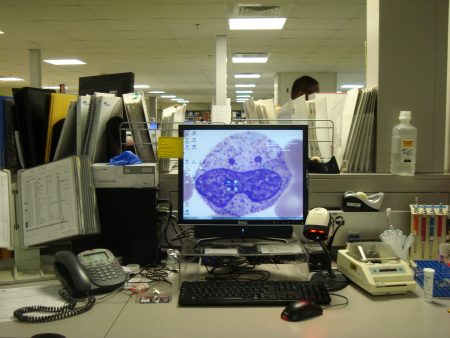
[[120, 83]]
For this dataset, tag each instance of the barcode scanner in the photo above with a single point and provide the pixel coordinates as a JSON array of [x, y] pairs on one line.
[[317, 225]]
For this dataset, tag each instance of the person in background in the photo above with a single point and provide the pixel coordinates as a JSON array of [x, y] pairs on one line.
[[304, 85]]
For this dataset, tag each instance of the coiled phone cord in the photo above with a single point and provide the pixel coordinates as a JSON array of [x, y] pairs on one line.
[[59, 312]]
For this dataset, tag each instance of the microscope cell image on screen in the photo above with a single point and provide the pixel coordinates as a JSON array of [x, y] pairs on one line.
[[242, 174], [237, 180]]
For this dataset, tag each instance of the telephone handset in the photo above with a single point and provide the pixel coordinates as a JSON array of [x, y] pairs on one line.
[[90, 272]]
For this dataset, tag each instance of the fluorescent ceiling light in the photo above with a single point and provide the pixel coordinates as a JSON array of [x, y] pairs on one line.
[[250, 58], [183, 101], [350, 86], [178, 99], [243, 85], [141, 86], [243, 96], [247, 76], [1, 32], [244, 91], [256, 23], [168, 96], [53, 87], [11, 79], [65, 62], [157, 92], [174, 100]]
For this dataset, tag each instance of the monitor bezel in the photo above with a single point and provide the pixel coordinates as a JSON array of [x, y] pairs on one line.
[[234, 226]]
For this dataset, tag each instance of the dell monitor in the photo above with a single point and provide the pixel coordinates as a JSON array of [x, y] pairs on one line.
[[243, 181]]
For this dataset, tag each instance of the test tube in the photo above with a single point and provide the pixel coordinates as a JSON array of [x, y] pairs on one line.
[[423, 229], [440, 220], [416, 223], [431, 236]]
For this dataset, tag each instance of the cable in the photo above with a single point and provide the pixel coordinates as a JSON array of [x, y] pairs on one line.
[[59, 312], [169, 215], [339, 220], [155, 274], [335, 305], [234, 268]]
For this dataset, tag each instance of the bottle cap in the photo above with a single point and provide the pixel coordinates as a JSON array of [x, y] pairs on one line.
[[405, 115], [428, 271]]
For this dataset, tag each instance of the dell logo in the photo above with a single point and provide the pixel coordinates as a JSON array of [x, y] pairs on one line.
[[242, 222]]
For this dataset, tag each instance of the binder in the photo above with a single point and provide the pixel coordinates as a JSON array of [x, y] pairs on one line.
[[3, 130], [138, 121], [67, 140], [32, 106], [101, 110], [83, 103], [360, 148], [59, 105], [57, 201]]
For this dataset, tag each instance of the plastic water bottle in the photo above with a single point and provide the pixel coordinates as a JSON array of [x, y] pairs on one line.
[[403, 146]]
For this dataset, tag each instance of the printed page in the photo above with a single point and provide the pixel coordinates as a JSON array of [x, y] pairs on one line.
[[15, 298]]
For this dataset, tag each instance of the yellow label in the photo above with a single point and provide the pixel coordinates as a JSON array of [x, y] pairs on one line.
[[170, 147], [407, 143]]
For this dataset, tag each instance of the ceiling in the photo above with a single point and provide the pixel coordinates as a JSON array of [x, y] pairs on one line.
[[170, 45]]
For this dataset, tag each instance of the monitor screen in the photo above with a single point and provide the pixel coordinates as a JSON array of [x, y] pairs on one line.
[[243, 180]]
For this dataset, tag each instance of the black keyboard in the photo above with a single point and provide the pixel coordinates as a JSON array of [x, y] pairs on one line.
[[251, 293]]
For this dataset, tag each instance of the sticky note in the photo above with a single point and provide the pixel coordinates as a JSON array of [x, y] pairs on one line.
[[170, 147]]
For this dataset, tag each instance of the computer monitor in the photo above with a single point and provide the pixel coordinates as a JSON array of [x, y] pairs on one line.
[[118, 84], [243, 181]]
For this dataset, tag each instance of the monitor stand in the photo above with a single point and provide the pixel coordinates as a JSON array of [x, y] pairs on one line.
[[225, 242]]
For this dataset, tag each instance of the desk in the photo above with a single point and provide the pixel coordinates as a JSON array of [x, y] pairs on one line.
[[365, 316]]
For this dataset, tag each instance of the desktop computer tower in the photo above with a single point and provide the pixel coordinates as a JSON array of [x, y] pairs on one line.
[[129, 225]]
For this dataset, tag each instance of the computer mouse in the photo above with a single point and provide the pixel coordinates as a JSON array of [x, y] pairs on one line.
[[300, 310]]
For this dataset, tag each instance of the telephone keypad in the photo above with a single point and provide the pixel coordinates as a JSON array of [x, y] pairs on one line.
[[102, 273]]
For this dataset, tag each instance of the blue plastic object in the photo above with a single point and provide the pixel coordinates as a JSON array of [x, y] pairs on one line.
[[441, 286], [127, 157]]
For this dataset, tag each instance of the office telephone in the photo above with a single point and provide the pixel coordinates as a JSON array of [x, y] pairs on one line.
[[90, 272]]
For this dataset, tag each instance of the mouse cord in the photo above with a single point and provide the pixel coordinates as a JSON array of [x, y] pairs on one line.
[[339, 304]]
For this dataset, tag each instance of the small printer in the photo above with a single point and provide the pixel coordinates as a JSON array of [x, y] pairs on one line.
[[359, 201]]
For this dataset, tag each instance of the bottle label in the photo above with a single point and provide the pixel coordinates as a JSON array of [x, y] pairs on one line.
[[406, 150]]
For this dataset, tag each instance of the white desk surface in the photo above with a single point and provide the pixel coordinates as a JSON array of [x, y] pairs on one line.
[[365, 316]]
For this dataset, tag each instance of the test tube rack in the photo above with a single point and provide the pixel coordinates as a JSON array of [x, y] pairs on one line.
[[429, 226]]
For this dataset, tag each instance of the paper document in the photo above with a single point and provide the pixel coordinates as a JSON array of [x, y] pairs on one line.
[[15, 298], [58, 201]]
